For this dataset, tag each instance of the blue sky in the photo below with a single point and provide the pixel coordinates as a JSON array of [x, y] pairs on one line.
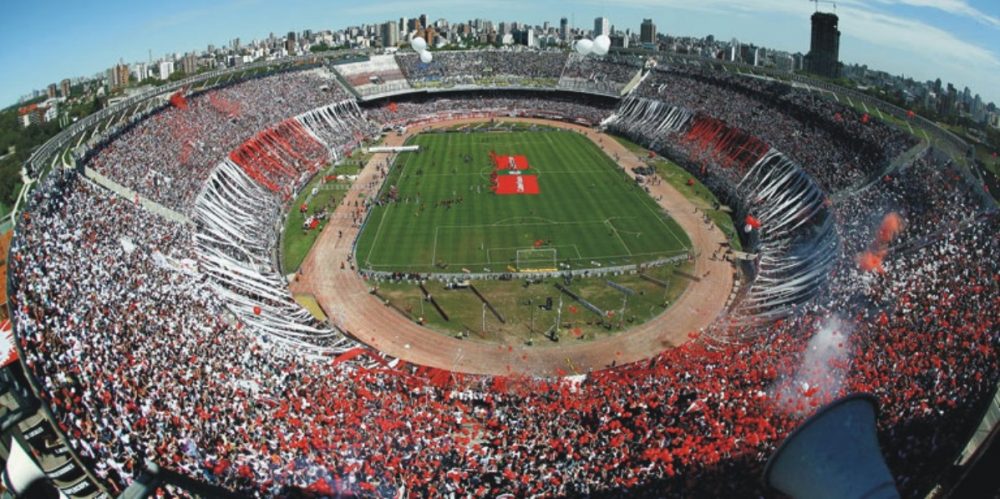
[[46, 40]]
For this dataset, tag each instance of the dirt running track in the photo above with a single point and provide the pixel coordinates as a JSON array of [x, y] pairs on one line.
[[344, 295]]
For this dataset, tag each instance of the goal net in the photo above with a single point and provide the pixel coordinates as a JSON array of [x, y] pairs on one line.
[[536, 260]]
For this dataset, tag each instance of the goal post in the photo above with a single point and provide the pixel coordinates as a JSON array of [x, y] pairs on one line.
[[537, 260]]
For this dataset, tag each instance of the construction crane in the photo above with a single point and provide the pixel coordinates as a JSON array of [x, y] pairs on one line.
[[817, 2]]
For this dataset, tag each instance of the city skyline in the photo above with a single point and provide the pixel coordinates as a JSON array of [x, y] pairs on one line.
[[955, 40]]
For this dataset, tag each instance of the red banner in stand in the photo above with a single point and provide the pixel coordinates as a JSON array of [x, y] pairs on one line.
[[517, 184], [8, 353]]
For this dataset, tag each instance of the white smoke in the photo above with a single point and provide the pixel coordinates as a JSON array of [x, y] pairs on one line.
[[821, 374]]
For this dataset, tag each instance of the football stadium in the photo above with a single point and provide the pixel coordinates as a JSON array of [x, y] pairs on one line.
[[573, 271]]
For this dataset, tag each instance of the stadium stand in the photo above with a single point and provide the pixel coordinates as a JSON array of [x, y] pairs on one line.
[[380, 75], [484, 69], [147, 344]]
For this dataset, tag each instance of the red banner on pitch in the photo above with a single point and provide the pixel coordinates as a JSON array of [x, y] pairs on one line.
[[504, 162], [517, 184]]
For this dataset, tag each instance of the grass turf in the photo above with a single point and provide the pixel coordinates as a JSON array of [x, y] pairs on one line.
[[588, 209], [526, 320], [297, 241], [697, 193]]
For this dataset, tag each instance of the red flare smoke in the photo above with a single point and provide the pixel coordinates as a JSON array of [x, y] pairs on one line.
[[891, 226]]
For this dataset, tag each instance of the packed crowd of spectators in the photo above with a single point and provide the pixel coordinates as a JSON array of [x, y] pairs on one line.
[[168, 156], [139, 361], [578, 109], [607, 75], [837, 145], [484, 68], [930, 193], [692, 421]]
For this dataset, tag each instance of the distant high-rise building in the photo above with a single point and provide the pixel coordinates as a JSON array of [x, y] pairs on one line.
[[402, 25], [166, 69], [423, 20], [140, 71], [784, 62], [619, 40], [390, 34], [189, 64], [32, 114], [647, 32], [564, 29], [64, 88], [824, 50], [601, 26], [50, 92], [118, 76], [524, 37], [504, 28]]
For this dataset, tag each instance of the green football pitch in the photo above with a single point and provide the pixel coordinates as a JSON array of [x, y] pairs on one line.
[[445, 218]]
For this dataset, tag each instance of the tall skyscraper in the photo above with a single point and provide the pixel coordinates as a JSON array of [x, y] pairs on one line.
[[64, 88], [50, 92], [564, 29], [647, 32], [601, 26], [824, 50], [390, 34]]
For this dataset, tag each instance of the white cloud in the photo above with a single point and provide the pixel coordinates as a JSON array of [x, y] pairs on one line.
[[954, 7], [914, 37]]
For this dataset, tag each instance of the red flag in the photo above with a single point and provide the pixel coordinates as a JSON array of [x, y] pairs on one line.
[[320, 487], [348, 355]]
